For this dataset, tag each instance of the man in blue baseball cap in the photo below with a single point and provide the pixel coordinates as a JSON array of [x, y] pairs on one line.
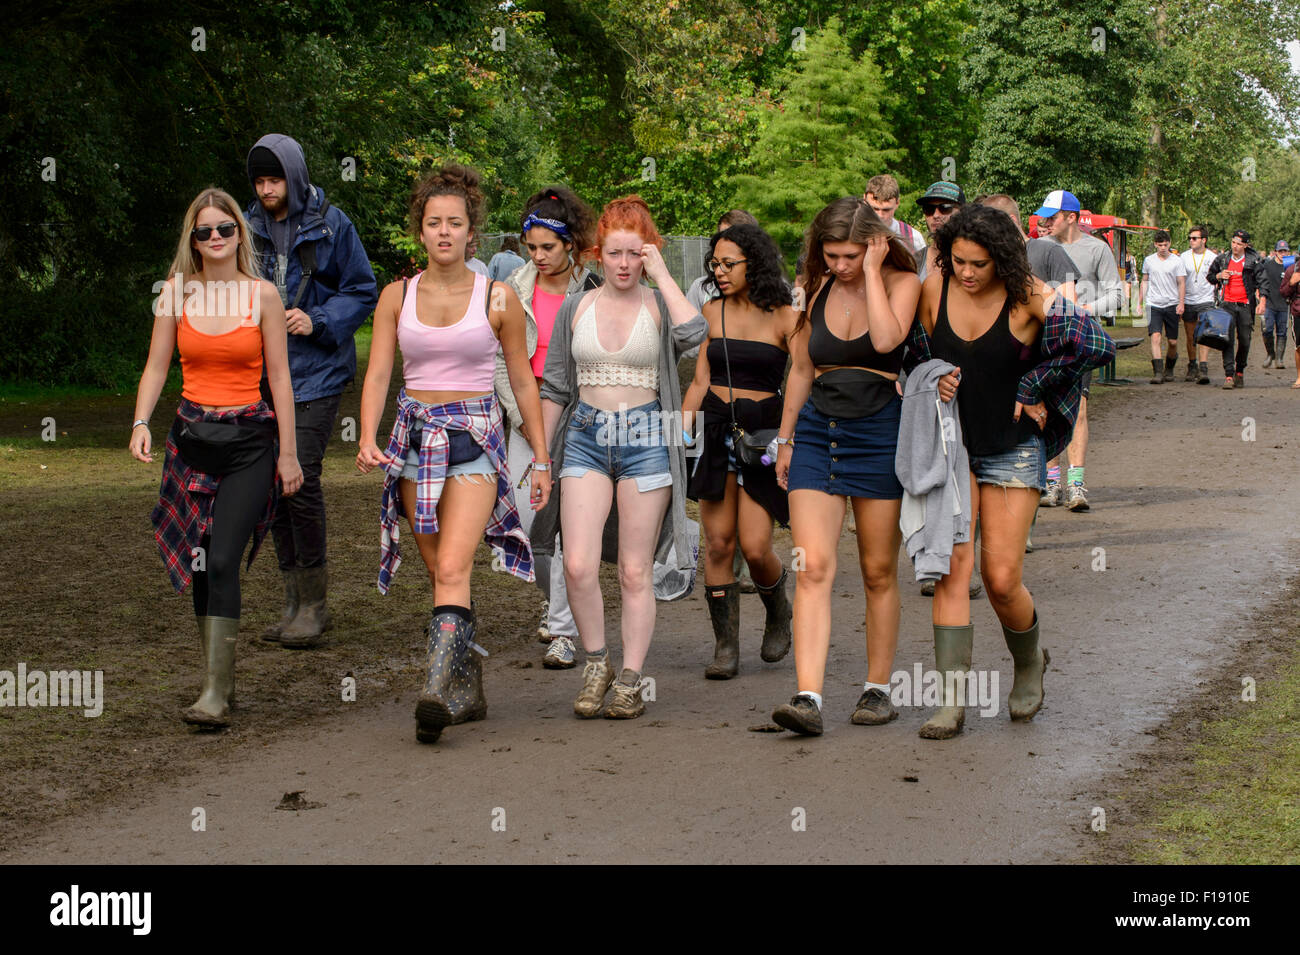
[[938, 204], [1098, 289]]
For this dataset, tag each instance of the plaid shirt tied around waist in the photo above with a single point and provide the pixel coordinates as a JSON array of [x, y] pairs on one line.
[[183, 516], [1074, 343], [481, 417]]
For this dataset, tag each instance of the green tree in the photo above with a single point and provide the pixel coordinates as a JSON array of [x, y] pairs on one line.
[[822, 141], [1267, 207]]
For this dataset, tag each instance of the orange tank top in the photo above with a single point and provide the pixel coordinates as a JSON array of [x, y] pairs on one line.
[[222, 371]]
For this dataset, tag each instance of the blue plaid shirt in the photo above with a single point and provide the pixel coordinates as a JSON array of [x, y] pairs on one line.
[[481, 417], [1073, 344]]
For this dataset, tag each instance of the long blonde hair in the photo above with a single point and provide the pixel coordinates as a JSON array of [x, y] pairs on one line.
[[188, 260]]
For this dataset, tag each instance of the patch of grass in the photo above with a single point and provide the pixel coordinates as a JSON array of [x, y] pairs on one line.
[[1239, 799]]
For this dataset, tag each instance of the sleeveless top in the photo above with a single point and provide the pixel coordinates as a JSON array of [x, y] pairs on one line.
[[991, 368], [636, 364], [825, 348], [222, 371], [546, 305], [756, 366], [459, 357]]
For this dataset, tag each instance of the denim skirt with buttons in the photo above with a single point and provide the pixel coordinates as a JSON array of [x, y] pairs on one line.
[[852, 457]]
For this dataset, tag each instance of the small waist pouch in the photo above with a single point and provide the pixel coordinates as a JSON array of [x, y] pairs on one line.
[[851, 393], [461, 446], [222, 447]]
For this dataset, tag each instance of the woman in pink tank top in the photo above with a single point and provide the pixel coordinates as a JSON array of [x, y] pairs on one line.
[[445, 463]]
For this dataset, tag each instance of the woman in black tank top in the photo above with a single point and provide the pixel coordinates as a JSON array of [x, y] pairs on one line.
[[738, 502], [984, 312], [842, 412]]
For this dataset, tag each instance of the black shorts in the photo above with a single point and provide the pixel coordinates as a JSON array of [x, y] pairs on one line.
[[1162, 320], [1192, 313]]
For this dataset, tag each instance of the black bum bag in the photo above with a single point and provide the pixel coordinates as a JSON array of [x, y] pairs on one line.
[[222, 447], [851, 393]]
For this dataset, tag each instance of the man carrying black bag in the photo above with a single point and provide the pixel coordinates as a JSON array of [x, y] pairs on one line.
[[1236, 273], [312, 253]]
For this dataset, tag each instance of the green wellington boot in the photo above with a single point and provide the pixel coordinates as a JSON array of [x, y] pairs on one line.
[[453, 687], [307, 629], [217, 638], [724, 611], [272, 633], [776, 632], [1026, 697], [952, 652]]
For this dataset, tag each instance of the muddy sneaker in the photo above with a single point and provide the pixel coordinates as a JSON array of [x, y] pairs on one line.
[[1268, 362], [543, 631], [1051, 496], [1077, 499], [874, 707], [597, 675], [625, 701], [1239, 380], [1228, 383], [800, 715], [559, 655]]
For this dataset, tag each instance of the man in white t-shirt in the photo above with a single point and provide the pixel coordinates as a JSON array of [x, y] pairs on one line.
[[882, 195], [1200, 296], [1164, 287]]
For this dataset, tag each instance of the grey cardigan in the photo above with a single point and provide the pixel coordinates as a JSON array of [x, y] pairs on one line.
[[523, 280], [559, 384]]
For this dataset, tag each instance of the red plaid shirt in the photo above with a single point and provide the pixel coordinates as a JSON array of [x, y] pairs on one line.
[[183, 516]]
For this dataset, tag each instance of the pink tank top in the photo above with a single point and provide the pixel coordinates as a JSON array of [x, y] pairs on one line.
[[460, 357], [545, 307]]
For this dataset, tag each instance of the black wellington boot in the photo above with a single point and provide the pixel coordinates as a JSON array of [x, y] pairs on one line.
[[776, 632], [453, 688], [724, 611]]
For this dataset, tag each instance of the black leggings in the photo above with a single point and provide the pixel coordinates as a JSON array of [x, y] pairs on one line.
[[240, 501]]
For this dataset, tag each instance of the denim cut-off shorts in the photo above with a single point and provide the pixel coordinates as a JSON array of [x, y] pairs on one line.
[[1025, 465], [621, 445]]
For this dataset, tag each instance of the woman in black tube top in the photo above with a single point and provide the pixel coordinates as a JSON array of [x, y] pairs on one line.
[[738, 502], [847, 351]]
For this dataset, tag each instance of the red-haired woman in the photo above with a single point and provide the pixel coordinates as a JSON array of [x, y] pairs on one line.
[[841, 417], [218, 487], [612, 405], [446, 458], [557, 229]]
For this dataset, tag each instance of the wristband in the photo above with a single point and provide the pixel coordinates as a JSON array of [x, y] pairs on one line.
[[138, 422], [778, 440], [541, 465]]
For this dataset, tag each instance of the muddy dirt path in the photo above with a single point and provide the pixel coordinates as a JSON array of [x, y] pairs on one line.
[[1195, 523]]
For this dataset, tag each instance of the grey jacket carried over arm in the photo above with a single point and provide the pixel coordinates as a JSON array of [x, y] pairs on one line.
[[560, 384], [933, 467]]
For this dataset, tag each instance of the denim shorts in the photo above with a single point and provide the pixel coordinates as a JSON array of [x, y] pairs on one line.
[[1025, 465], [479, 465], [619, 444]]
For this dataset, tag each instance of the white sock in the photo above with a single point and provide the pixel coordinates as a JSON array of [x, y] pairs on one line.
[[815, 697], [882, 687]]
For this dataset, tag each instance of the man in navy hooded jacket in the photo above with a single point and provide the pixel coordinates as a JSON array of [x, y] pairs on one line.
[[312, 253]]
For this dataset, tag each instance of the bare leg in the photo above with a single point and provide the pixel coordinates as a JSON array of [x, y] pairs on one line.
[[584, 508], [756, 541], [815, 519], [640, 516], [879, 538], [463, 511], [718, 518], [1005, 516]]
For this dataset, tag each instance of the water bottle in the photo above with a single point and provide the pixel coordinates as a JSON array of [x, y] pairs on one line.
[[769, 454]]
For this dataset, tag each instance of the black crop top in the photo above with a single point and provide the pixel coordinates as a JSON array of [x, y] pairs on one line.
[[755, 366], [826, 349]]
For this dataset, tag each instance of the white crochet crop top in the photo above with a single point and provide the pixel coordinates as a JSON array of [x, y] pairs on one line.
[[636, 364]]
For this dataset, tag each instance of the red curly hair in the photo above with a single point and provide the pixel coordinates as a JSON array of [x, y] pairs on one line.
[[628, 214]]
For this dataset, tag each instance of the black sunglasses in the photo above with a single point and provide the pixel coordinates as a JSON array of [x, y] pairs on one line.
[[944, 207], [204, 232], [1196, 237]]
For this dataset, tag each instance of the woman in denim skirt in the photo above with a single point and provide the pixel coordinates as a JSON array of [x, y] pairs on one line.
[[860, 287]]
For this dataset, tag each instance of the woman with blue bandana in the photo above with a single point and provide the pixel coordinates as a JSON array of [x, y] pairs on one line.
[[555, 227]]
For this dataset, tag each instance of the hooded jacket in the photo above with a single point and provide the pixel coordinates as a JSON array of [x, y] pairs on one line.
[[341, 292]]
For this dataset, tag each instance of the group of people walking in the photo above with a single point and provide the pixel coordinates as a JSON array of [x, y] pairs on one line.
[[543, 413]]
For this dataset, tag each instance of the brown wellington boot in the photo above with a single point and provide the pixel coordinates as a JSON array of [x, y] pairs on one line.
[[776, 631], [724, 611], [272, 633], [952, 653], [217, 638], [1031, 661], [307, 629]]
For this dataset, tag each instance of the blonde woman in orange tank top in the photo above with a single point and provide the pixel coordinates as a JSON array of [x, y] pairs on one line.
[[221, 450]]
